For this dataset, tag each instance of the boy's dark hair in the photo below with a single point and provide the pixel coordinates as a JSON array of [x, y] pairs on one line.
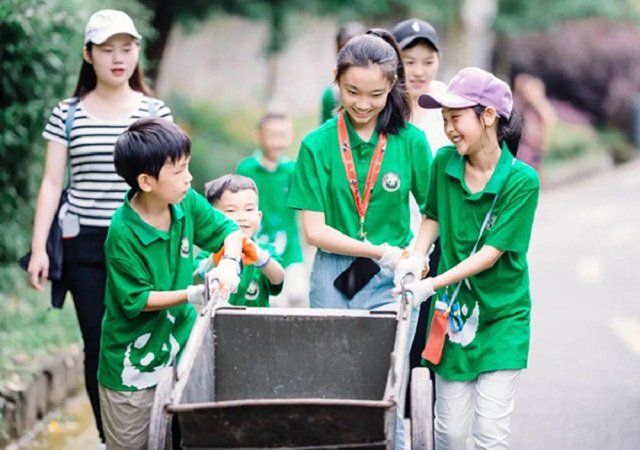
[[509, 130], [214, 189], [271, 115], [146, 146], [378, 47], [87, 79]]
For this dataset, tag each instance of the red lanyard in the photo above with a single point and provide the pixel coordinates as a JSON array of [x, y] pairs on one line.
[[352, 176]]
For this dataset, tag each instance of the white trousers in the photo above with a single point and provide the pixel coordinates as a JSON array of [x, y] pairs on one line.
[[475, 414]]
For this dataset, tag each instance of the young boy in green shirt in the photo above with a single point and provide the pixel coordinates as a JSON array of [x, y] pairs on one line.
[[272, 172], [149, 254], [237, 197]]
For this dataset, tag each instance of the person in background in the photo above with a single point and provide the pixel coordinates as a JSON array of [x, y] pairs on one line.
[[272, 172], [237, 197], [109, 96], [331, 95], [538, 117]]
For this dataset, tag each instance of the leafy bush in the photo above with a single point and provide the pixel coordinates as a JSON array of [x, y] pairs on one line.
[[567, 141], [40, 54], [215, 150]]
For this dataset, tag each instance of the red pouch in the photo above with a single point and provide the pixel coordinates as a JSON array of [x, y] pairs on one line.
[[437, 334]]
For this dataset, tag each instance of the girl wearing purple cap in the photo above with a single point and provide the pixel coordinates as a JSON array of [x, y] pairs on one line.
[[481, 202], [81, 133]]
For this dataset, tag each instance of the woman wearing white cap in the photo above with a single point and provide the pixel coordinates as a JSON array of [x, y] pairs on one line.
[[81, 133]]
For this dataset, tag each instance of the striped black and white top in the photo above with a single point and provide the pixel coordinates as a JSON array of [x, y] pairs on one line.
[[96, 190]]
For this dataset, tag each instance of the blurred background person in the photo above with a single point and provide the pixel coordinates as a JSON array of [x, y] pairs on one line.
[[538, 116]]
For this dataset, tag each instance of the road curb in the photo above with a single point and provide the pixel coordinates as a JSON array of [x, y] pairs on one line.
[[23, 403]]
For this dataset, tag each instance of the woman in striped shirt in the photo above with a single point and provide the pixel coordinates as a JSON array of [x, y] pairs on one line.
[[82, 131]]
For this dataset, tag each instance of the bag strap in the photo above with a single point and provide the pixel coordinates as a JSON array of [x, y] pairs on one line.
[[484, 227], [152, 107], [68, 125]]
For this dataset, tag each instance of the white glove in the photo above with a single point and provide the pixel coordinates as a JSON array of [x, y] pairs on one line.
[[195, 294], [418, 291], [410, 267], [390, 257], [226, 273], [205, 266]]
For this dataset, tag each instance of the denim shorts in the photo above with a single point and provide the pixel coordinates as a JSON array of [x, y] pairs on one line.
[[323, 294]]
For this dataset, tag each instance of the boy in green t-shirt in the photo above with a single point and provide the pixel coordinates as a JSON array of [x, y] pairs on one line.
[[272, 172], [237, 197], [149, 256]]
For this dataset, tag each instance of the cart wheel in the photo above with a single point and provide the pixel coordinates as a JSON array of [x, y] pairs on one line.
[[421, 410], [160, 424]]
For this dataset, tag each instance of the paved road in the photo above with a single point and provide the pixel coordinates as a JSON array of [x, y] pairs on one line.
[[582, 388]]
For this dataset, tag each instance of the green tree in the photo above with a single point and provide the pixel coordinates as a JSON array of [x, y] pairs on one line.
[[39, 56]]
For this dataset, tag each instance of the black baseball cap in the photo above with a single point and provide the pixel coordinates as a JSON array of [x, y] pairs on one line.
[[409, 30]]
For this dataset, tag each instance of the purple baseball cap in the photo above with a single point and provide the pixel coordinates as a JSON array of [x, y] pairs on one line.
[[470, 87]]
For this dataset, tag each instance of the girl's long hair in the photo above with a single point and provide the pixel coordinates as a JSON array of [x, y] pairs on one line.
[[378, 47], [509, 130], [87, 79]]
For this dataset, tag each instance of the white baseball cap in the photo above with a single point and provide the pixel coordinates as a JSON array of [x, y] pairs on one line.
[[106, 23]]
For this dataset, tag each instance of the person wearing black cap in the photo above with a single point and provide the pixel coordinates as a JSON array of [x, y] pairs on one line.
[[420, 47]]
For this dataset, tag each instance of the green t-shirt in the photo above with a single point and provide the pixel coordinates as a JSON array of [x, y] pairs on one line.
[[320, 181], [330, 101], [496, 303], [279, 226], [136, 345], [254, 288]]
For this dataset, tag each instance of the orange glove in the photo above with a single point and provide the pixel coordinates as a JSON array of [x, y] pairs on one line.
[[249, 253]]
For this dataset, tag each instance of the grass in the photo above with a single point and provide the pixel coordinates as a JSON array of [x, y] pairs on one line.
[[28, 331]]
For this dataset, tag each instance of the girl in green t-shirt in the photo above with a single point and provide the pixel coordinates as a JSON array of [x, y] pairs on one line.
[[481, 202], [355, 202], [353, 179]]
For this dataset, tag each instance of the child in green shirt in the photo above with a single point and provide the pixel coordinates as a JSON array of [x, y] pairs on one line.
[[237, 197], [149, 254], [272, 172], [481, 202]]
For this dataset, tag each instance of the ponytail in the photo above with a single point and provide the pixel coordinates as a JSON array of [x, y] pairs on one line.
[[378, 47], [397, 111], [510, 131]]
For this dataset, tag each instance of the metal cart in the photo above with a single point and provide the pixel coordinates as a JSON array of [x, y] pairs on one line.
[[292, 378]]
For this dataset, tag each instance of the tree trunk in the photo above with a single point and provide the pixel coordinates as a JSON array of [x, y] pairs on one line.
[[163, 20], [277, 39]]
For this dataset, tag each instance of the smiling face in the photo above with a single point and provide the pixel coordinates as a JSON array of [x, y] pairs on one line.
[[114, 61], [173, 181], [464, 129], [364, 92], [242, 208], [421, 63]]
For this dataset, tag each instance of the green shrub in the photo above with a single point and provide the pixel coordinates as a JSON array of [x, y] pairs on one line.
[[39, 58], [567, 141]]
